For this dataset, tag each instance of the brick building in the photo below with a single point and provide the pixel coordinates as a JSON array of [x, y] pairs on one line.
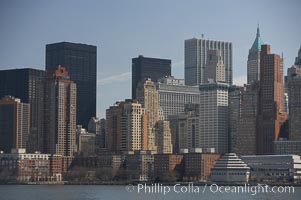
[[166, 165], [197, 166]]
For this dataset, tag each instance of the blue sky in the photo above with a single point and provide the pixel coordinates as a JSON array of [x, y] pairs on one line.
[[123, 29]]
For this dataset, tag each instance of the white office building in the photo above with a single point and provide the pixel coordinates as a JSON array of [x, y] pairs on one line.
[[213, 119], [173, 96]]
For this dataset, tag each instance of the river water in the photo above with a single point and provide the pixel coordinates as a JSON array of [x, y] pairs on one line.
[[99, 192]]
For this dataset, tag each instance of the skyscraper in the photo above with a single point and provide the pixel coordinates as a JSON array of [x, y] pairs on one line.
[[147, 96], [293, 144], [234, 101], [80, 62], [14, 123], [154, 68], [245, 140], [159, 135], [254, 59], [215, 69], [271, 115], [28, 86], [126, 129], [196, 51], [213, 119], [60, 112], [294, 92]]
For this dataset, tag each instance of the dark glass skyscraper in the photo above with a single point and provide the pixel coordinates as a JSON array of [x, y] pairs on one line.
[[153, 68], [27, 85], [80, 62]]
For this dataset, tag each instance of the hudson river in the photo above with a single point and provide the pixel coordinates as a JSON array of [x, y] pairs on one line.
[[98, 192]]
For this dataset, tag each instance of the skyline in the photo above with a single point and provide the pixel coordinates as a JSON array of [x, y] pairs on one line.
[[122, 30]]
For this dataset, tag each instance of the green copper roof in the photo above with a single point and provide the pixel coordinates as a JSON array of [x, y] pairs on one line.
[[258, 41]]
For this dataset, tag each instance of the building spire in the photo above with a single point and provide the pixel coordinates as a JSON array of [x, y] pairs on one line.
[[258, 41]]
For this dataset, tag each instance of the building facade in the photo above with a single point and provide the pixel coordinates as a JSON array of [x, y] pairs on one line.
[[275, 168], [235, 102], [140, 164], [60, 113], [197, 166], [173, 96], [95, 125], [154, 68], [126, 127], [168, 167], [245, 141], [163, 137], [87, 144], [80, 61], [284, 147], [230, 169], [106, 166], [28, 86], [147, 96], [215, 68], [19, 166], [271, 115], [196, 51], [213, 119], [293, 144], [254, 59], [294, 96], [185, 129], [14, 123], [171, 80], [98, 127]]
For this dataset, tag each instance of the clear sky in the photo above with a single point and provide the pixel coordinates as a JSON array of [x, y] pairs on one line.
[[123, 29]]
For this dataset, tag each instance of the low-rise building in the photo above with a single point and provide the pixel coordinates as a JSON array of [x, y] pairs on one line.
[[168, 167], [140, 165], [56, 167], [197, 166], [274, 168], [230, 169], [19, 166], [67, 162], [107, 164], [284, 147]]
